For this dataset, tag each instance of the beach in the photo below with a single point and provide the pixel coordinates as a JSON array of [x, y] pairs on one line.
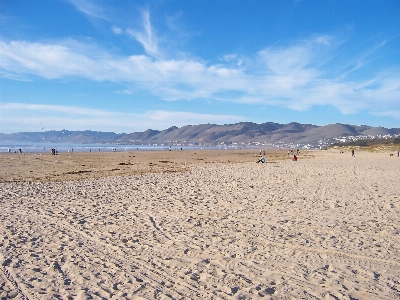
[[200, 225]]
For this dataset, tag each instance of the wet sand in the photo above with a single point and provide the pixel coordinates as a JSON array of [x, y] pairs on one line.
[[200, 225], [67, 166]]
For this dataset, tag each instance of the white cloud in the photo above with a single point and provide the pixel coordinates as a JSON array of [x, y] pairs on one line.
[[294, 76], [389, 113], [116, 29], [147, 36], [45, 60], [184, 118], [45, 108], [89, 8], [17, 117], [125, 92]]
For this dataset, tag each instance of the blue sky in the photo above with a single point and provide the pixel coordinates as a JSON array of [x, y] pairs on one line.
[[127, 66]]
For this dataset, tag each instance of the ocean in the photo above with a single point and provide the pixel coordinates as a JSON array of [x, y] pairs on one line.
[[65, 147]]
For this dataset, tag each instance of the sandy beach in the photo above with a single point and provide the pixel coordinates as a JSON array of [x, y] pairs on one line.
[[200, 225]]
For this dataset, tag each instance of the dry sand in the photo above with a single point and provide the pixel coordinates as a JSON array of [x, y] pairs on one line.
[[204, 225]]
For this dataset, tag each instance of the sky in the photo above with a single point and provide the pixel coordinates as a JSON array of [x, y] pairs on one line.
[[128, 66]]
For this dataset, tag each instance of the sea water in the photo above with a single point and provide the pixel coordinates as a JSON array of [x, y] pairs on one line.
[[66, 147]]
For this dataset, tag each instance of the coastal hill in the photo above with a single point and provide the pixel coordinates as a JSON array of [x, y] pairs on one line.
[[244, 132]]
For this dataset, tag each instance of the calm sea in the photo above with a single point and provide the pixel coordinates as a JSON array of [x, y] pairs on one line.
[[63, 147]]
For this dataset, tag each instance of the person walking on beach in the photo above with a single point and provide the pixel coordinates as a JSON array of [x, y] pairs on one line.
[[352, 153]]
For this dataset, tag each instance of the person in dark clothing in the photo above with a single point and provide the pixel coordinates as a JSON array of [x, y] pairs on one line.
[[261, 160]]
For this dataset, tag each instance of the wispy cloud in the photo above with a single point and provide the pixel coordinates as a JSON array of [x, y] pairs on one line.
[[90, 8], [389, 113], [188, 117], [286, 75], [146, 36], [298, 76], [116, 29], [16, 117], [49, 61], [45, 108]]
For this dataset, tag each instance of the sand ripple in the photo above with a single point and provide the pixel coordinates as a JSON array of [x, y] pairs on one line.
[[324, 228]]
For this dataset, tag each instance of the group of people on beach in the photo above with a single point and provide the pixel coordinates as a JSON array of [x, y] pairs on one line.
[[262, 159], [16, 151], [293, 152]]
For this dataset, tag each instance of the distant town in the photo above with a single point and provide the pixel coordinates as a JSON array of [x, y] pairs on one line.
[[239, 135], [321, 144]]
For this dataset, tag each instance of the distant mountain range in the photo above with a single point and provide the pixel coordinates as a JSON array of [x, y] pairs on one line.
[[244, 132]]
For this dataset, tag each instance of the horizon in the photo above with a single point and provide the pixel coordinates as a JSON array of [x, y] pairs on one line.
[[131, 66], [160, 130]]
